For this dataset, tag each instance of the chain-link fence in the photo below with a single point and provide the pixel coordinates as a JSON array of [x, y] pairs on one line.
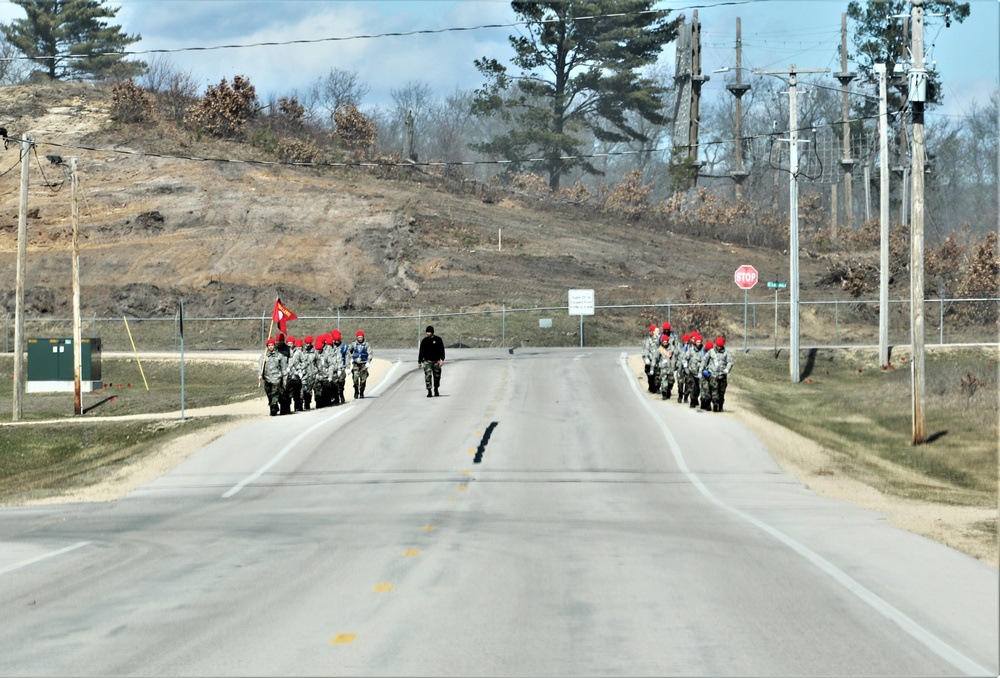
[[821, 323]]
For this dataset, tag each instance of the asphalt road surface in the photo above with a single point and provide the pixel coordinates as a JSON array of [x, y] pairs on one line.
[[543, 516]]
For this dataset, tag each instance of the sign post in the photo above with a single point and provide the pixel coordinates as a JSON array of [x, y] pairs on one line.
[[581, 303], [745, 278]]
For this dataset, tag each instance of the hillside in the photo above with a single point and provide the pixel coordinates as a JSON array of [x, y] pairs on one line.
[[228, 236]]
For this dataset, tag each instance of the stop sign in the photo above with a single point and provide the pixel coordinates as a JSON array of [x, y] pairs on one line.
[[746, 277]]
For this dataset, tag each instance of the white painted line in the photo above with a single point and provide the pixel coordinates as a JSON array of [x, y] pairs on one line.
[[297, 439], [17, 566], [932, 642]]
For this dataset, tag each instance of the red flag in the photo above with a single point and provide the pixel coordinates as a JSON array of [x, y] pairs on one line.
[[281, 315]]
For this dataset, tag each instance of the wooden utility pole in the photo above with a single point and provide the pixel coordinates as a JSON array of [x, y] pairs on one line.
[[22, 260], [77, 332], [738, 89], [918, 95], [883, 184], [846, 161]]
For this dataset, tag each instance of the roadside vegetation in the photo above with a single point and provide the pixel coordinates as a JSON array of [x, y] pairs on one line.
[[862, 416], [54, 451]]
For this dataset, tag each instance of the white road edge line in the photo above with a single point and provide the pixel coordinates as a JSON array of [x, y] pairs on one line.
[[295, 441], [932, 642], [44, 556]]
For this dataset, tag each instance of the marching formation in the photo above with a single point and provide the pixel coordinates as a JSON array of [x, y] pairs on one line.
[[701, 367], [298, 372]]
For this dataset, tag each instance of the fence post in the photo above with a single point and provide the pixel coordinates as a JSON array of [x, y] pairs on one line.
[[941, 322], [503, 326]]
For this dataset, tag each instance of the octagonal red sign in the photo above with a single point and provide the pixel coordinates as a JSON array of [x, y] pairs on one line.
[[746, 277]]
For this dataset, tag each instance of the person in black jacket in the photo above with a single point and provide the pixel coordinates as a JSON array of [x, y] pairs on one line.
[[431, 357]]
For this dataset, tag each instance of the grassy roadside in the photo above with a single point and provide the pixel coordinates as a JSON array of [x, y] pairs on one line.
[[47, 459], [60, 452], [862, 416]]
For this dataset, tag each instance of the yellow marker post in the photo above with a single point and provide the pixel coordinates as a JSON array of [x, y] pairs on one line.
[[136, 353]]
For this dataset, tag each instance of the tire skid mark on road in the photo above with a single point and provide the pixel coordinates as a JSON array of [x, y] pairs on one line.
[[876, 602]]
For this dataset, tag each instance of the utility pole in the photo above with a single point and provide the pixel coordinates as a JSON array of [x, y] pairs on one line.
[[411, 147], [22, 260], [688, 78], [918, 96], [697, 80], [738, 89], [77, 332], [883, 284], [793, 213], [846, 162]]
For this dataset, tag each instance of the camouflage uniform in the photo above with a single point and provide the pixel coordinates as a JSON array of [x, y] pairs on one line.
[[650, 345], [273, 373], [718, 362], [323, 388], [666, 364], [431, 356], [284, 395], [310, 372], [338, 369], [299, 375], [694, 357], [673, 346], [703, 378], [682, 369], [361, 353]]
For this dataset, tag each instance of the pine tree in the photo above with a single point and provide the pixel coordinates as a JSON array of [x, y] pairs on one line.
[[72, 39], [580, 63]]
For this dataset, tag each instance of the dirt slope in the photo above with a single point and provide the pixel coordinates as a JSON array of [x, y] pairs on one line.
[[228, 236]]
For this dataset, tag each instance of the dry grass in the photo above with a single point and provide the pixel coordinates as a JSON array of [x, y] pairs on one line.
[[862, 414]]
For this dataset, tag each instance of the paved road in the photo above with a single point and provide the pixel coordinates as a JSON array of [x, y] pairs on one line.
[[542, 517]]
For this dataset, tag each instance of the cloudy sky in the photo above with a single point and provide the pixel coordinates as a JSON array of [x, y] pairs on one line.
[[776, 33]]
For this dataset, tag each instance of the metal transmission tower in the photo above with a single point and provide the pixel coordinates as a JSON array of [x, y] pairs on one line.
[[688, 77], [738, 89], [846, 162]]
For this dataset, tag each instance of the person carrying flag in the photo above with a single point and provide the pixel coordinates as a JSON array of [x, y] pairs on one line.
[[273, 374]]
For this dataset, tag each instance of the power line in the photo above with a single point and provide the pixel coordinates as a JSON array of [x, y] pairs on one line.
[[373, 36]]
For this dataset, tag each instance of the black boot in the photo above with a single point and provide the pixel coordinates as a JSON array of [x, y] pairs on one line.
[[665, 396], [428, 393]]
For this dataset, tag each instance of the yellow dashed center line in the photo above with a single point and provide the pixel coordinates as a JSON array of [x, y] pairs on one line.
[[411, 552], [383, 587], [343, 638], [429, 528]]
